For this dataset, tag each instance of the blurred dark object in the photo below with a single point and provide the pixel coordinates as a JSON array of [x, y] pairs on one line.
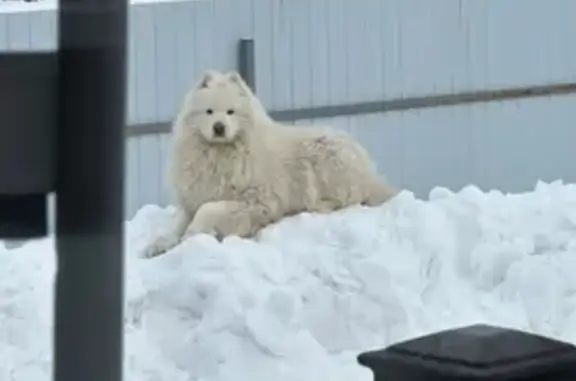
[[478, 352], [23, 216], [62, 117], [27, 140], [90, 190]]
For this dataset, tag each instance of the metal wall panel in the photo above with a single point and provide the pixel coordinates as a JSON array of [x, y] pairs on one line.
[[323, 52]]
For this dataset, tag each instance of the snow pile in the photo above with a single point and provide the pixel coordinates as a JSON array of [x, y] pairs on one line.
[[315, 290]]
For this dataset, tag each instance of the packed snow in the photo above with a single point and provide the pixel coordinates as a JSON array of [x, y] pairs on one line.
[[313, 291]]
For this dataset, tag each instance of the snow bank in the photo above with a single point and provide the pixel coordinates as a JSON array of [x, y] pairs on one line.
[[315, 290]]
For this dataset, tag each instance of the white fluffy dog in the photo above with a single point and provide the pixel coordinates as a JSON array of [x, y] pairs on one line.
[[234, 170]]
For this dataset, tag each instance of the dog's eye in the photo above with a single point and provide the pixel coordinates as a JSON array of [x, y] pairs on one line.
[[209, 111], [230, 112]]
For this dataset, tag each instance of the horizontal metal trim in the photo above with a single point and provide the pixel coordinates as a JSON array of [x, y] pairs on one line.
[[402, 104], [152, 128]]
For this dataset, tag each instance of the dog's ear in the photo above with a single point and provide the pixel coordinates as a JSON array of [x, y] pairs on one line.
[[235, 78], [206, 79]]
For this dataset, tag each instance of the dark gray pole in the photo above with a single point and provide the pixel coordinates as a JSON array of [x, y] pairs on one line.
[[247, 62], [89, 190]]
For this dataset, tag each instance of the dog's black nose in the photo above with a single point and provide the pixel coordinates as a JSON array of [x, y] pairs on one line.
[[218, 129]]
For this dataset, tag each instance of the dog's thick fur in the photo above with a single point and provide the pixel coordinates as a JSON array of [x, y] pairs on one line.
[[258, 170]]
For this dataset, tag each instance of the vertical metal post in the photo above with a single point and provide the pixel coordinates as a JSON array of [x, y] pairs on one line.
[[247, 62], [89, 190]]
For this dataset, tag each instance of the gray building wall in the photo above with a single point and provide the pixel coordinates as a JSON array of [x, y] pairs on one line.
[[328, 52]]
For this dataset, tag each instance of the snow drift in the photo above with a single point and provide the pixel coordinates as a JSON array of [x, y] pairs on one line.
[[315, 290]]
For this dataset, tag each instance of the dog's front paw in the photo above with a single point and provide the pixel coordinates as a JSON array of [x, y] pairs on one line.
[[194, 232], [159, 246], [213, 218]]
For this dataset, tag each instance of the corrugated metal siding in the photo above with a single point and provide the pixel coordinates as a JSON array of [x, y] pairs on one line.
[[146, 158], [319, 52], [502, 145]]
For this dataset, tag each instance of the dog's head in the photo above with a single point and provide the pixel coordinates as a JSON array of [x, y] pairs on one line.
[[219, 108]]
